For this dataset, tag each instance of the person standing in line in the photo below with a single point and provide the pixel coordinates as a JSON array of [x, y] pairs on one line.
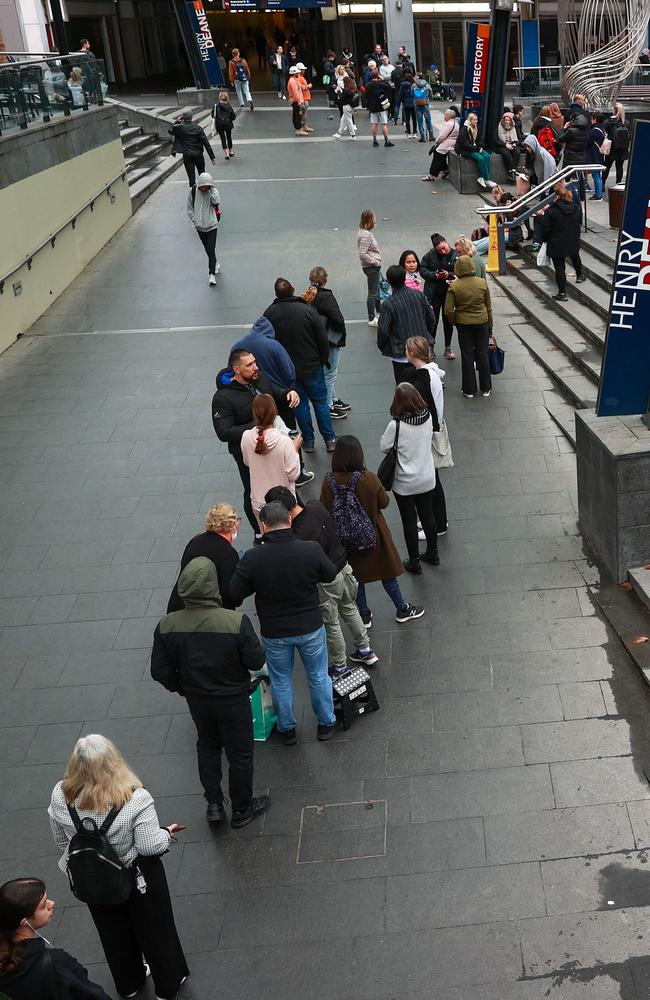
[[468, 307], [299, 329], [619, 135], [436, 267], [312, 522], [284, 574], [443, 144], [190, 140], [295, 91], [325, 304], [239, 74], [467, 145], [206, 654], [25, 953], [269, 452], [224, 119], [382, 562], [370, 260], [232, 412], [205, 215], [405, 314], [378, 94], [560, 230], [415, 473], [216, 543], [427, 379], [422, 94], [98, 782], [279, 70]]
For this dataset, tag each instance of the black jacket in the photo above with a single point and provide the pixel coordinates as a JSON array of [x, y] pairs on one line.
[[327, 307], [561, 227], [283, 574], [218, 551], [27, 982], [464, 143], [375, 91], [435, 289], [407, 313], [205, 652], [232, 407], [315, 524], [575, 138], [301, 333], [619, 133], [190, 139], [419, 377]]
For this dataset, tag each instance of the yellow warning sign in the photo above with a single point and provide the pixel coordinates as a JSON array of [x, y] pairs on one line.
[[493, 246]]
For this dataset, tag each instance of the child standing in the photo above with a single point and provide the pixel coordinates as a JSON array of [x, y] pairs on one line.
[[224, 117]]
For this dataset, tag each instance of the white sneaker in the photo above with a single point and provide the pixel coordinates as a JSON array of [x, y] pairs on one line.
[[212, 280], [337, 135], [284, 97], [481, 182], [217, 267], [373, 322], [421, 536]]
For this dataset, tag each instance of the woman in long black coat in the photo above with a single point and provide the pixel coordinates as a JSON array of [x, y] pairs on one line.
[[560, 227]]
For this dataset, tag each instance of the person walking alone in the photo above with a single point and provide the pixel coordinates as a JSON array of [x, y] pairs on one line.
[[205, 215], [346, 97], [468, 306], [239, 74], [370, 260], [190, 141], [224, 119], [205, 654], [560, 229], [99, 784], [410, 432], [279, 70]]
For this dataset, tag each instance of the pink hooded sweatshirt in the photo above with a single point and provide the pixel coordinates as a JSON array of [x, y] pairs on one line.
[[279, 466]]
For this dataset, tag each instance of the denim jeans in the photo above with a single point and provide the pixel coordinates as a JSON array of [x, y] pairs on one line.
[[243, 91], [423, 115], [598, 183], [392, 589], [331, 373], [312, 387], [313, 653]]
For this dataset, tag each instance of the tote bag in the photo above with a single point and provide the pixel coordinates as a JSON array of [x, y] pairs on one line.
[[497, 357], [441, 448]]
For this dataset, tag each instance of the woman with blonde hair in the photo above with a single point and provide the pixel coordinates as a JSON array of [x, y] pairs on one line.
[[370, 260], [618, 134], [100, 788], [216, 543], [465, 247], [325, 304], [269, 452], [467, 145]]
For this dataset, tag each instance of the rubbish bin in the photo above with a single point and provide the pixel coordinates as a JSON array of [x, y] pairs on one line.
[[616, 199]]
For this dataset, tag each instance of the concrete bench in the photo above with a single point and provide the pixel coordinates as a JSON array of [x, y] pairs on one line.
[[463, 172]]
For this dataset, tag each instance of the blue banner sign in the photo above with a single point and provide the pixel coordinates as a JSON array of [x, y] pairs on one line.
[[199, 21], [625, 374], [476, 64]]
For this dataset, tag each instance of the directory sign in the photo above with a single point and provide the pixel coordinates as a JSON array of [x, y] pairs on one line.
[[625, 374], [205, 43], [476, 65], [273, 4]]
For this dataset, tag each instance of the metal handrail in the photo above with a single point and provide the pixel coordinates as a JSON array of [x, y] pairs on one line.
[[51, 239], [546, 186]]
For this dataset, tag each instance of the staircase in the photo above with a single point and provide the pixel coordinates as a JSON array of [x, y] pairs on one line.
[[566, 338]]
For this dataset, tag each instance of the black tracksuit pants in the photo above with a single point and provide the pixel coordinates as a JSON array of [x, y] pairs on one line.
[[225, 726], [192, 165]]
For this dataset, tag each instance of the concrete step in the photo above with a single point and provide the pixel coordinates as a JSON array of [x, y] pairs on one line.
[[598, 272], [147, 183], [130, 132], [122, 123], [575, 386], [589, 322], [144, 153], [588, 293], [640, 580], [601, 241], [136, 173], [561, 337], [136, 142], [562, 413]]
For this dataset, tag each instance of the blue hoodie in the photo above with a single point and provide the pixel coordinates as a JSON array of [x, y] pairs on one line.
[[271, 357]]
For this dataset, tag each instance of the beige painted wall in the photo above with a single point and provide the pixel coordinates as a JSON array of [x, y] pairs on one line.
[[33, 208]]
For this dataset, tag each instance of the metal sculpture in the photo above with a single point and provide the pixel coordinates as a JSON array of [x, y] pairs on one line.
[[600, 44]]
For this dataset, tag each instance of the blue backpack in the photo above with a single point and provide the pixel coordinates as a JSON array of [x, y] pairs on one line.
[[353, 526], [240, 71]]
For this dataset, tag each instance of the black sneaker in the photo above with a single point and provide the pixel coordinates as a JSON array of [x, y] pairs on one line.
[[431, 557], [580, 279], [309, 447], [251, 106], [412, 566], [215, 813], [305, 477], [561, 297], [374, 142], [324, 733], [288, 737], [387, 142], [255, 809], [337, 414], [366, 619], [340, 405], [369, 657], [407, 612]]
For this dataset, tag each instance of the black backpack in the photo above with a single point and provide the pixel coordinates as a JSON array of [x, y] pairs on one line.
[[621, 137], [96, 874]]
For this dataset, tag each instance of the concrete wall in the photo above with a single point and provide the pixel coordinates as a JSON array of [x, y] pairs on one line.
[[613, 455], [47, 174]]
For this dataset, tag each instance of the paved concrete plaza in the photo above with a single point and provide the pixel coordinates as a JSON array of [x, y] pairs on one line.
[[483, 836]]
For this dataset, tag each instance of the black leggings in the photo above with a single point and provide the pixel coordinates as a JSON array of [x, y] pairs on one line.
[[559, 264], [410, 508], [225, 134], [617, 160], [408, 114]]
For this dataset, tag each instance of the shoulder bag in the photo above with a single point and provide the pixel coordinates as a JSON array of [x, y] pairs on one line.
[[388, 464], [496, 355], [441, 448]]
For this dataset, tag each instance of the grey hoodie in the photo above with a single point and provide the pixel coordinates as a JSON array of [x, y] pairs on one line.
[[543, 163], [201, 208]]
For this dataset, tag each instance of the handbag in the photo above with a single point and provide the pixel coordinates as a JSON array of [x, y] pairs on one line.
[[441, 448], [605, 147], [496, 356], [383, 289], [388, 464]]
